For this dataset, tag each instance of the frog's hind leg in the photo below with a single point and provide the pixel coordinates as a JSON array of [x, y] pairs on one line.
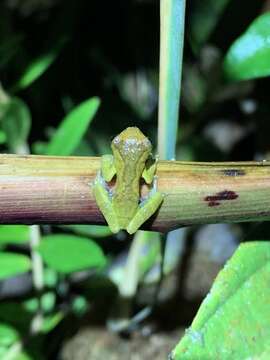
[[104, 203], [148, 208]]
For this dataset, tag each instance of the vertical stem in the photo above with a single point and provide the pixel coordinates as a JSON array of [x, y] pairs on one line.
[[38, 277], [38, 280], [172, 20]]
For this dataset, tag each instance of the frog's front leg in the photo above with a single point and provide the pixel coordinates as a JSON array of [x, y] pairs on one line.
[[149, 170], [107, 167], [102, 194], [146, 209]]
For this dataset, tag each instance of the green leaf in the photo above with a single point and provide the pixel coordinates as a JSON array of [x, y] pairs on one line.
[[14, 234], [98, 231], [72, 128], [233, 321], [3, 137], [248, 57], [3, 351], [203, 19], [51, 321], [13, 264], [79, 305], [4, 354], [8, 335], [23, 356], [15, 313], [50, 278], [16, 123], [46, 303], [67, 253], [37, 67], [39, 147]]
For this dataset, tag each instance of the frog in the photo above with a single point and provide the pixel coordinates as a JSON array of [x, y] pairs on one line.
[[131, 161]]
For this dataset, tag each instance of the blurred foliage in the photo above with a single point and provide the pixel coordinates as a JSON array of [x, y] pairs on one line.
[[80, 253], [74, 74], [14, 234], [13, 264], [203, 19], [248, 57], [72, 128]]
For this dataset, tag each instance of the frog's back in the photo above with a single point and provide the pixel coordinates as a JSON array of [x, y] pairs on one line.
[[131, 149]]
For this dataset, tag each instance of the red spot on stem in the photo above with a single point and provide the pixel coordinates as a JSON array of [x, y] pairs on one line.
[[214, 200]]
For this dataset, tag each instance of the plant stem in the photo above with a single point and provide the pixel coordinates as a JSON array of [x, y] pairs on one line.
[[172, 20], [38, 280], [57, 190]]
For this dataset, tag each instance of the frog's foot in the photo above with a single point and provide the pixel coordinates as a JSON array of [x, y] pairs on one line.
[[145, 211], [105, 205]]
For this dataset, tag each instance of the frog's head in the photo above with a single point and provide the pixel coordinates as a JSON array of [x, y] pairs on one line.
[[131, 143]]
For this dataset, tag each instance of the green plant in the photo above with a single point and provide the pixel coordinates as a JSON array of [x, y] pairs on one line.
[[73, 267]]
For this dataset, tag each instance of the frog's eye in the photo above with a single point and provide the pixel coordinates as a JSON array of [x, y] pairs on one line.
[[116, 140], [146, 143]]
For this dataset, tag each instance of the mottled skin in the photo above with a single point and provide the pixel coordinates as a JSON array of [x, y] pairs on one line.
[[131, 161]]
